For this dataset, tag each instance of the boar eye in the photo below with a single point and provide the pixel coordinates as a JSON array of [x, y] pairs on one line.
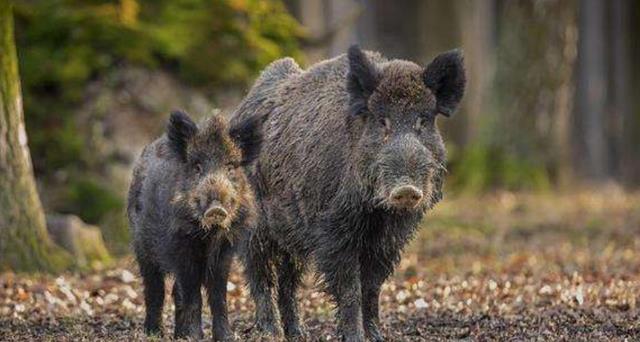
[[419, 124], [386, 123], [423, 122], [198, 168]]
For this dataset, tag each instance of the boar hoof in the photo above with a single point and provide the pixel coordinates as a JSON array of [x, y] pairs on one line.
[[296, 334], [228, 337], [355, 337], [373, 333], [153, 331], [270, 331]]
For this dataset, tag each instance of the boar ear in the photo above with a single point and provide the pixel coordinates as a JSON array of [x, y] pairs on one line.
[[180, 129], [247, 135], [362, 79], [445, 76]]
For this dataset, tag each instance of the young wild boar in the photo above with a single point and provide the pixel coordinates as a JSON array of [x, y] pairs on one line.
[[189, 203], [351, 161]]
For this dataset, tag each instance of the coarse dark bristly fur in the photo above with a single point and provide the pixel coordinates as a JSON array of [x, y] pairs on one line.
[[189, 205], [351, 161]]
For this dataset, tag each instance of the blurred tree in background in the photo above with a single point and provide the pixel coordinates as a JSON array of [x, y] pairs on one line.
[[521, 136], [549, 99], [64, 45]]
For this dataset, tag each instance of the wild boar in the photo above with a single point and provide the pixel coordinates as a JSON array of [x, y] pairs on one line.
[[351, 160], [189, 205]]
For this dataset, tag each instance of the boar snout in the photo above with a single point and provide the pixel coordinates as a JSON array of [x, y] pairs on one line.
[[405, 197], [215, 215]]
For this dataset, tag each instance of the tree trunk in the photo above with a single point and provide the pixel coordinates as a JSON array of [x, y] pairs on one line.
[[592, 92], [631, 121], [477, 28], [624, 118], [313, 15], [24, 243]]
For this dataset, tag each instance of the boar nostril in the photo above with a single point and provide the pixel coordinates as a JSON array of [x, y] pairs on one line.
[[406, 196]]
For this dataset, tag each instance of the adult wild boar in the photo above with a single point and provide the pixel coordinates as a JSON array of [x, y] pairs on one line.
[[351, 161], [189, 204]]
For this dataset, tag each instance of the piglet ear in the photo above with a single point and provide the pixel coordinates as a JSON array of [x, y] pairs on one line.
[[179, 131], [247, 135], [362, 79], [446, 78]]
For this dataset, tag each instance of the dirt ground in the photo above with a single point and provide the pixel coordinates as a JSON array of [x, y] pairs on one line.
[[502, 267]]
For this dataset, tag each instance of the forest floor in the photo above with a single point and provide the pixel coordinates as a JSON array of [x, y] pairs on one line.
[[501, 267]]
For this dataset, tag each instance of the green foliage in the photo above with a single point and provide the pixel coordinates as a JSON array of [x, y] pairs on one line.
[[92, 201], [498, 158], [482, 168], [65, 44], [62, 45], [220, 42]]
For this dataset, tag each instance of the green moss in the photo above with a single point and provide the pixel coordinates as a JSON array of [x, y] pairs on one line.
[[24, 244], [30, 252], [92, 201], [94, 253]]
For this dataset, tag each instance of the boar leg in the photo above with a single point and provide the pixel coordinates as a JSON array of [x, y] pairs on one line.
[[216, 283], [259, 268], [153, 280], [290, 273], [341, 272], [188, 301], [374, 273]]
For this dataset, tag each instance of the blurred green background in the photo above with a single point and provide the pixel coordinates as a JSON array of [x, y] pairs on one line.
[[550, 102], [83, 61]]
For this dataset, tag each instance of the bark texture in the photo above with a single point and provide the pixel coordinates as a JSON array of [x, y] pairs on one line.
[[24, 243]]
